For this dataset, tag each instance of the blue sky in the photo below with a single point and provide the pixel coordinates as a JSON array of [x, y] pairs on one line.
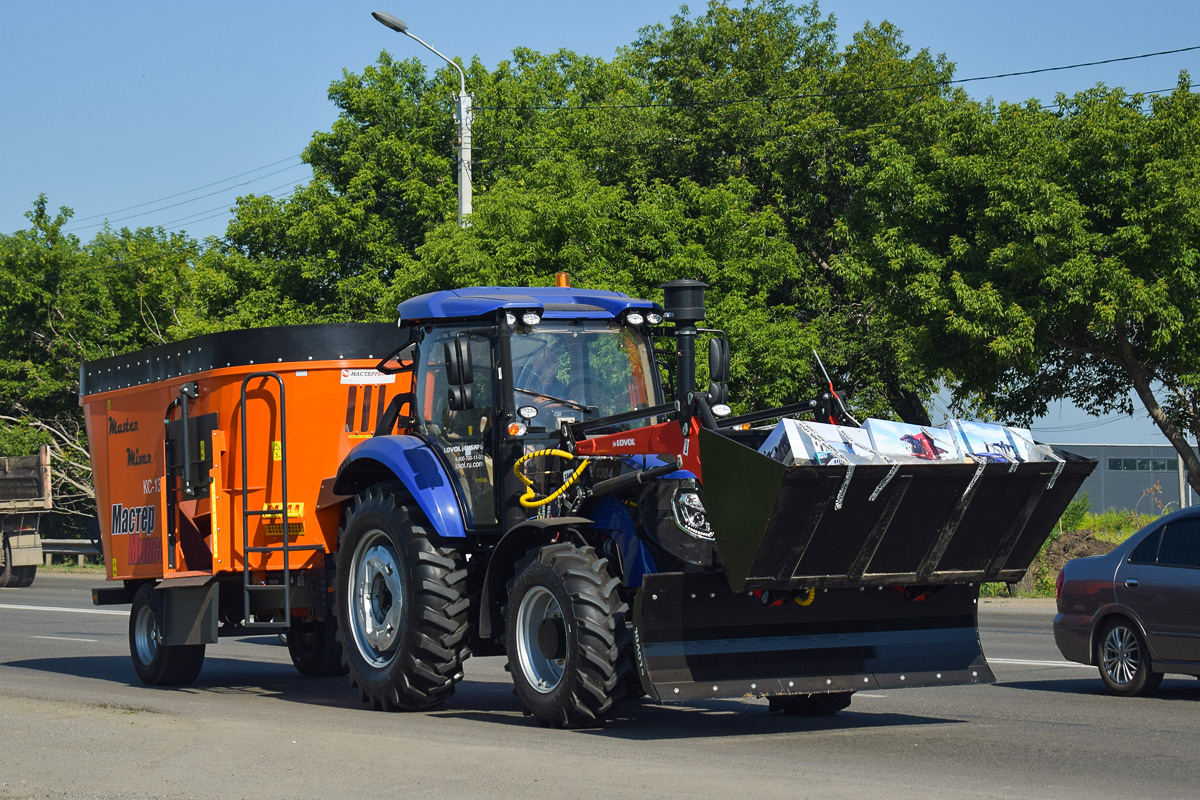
[[116, 110]]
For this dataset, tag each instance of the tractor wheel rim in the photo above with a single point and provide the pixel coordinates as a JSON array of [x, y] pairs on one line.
[[1121, 655], [538, 617], [145, 635], [376, 598]]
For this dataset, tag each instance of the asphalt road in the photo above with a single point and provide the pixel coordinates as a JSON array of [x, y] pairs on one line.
[[74, 722]]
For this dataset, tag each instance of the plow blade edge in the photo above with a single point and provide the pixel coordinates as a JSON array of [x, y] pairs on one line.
[[695, 638], [779, 527]]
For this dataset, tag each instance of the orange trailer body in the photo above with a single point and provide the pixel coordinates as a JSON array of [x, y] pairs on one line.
[[332, 398]]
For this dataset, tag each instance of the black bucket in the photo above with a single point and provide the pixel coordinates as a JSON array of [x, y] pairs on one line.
[[797, 527]]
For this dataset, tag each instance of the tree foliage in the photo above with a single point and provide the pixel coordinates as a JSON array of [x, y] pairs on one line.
[[837, 199]]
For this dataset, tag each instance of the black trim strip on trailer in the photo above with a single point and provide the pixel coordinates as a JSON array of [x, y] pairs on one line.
[[332, 341]]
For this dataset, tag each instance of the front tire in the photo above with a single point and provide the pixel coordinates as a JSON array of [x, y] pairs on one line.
[[402, 606], [565, 635], [1124, 660], [156, 663]]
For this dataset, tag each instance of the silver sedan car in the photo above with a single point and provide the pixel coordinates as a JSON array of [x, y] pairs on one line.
[[1135, 613]]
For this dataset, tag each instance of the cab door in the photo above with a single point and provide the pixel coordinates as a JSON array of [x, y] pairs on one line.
[[464, 437]]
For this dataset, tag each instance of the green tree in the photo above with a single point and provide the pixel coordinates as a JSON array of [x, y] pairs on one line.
[[1050, 253]]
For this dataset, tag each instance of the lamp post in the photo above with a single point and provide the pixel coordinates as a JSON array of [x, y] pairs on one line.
[[463, 116]]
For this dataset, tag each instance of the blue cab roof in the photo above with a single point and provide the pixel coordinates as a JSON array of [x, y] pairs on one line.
[[551, 302]]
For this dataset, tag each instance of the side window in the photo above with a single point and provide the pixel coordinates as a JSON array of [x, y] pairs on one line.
[[1180, 545], [1147, 551]]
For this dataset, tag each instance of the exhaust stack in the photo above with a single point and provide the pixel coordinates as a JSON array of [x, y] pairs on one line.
[[683, 301]]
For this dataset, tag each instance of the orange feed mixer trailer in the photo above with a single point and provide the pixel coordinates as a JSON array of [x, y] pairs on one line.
[[202, 453], [535, 473]]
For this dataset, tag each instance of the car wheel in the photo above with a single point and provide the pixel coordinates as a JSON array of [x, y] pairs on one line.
[[1124, 660]]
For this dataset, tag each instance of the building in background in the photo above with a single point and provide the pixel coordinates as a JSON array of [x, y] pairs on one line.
[[1148, 478]]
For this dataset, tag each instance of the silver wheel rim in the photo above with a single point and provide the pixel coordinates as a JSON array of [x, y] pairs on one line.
[[376, 598], [542, 670], [145, 635], [1121, 655]]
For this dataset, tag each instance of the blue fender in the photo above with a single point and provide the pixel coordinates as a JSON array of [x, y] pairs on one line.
[[414, 464], [636, 561]]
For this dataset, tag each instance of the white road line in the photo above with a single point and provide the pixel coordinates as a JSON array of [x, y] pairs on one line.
[[1031, 663], [65, 638], [71, 610]]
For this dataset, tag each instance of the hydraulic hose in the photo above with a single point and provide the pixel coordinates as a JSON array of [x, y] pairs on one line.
[[530, 498]]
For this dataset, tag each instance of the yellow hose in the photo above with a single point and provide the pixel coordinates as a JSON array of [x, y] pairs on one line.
[[528, 500], [807, 601]]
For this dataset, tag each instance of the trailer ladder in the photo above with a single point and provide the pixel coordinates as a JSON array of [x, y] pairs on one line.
[[286, 548]]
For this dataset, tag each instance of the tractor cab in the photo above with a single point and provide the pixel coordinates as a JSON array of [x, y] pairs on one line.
[[498, 375]]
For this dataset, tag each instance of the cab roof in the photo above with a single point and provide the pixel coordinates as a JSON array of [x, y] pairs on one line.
[[550, 302]]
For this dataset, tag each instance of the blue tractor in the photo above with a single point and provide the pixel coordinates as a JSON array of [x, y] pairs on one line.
[[555, 489]]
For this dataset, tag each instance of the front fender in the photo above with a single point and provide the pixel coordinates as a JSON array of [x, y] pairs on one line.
[[409, 460]]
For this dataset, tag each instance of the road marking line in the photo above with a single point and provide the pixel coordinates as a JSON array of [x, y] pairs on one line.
[[1031, 663], [59, 608], [65, 638]]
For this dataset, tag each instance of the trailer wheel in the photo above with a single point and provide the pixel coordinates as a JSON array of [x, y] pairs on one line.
[[810, 705], [402, 606], [155, 663], [15, 577], [565, 635], [314, 647]]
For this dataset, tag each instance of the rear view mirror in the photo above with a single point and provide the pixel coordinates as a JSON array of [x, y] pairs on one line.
[[460, 373], [718, 369]]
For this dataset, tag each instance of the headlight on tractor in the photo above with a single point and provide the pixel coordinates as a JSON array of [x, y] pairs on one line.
[[690, 515]]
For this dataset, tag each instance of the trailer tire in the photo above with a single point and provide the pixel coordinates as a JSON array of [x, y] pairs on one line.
[[314, 647], [402, 606], [15, 577], [825, 704], [565, 635], [155, 663]]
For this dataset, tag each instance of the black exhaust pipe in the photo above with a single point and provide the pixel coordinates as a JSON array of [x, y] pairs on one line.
[[683, 301]]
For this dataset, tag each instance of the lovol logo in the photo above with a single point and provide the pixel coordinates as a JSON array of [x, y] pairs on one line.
[[128, 521], [624, 442], [115, 428], [135, 459]]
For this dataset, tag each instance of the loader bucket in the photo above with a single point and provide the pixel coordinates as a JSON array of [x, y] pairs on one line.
[[695, 638], [794, 527]]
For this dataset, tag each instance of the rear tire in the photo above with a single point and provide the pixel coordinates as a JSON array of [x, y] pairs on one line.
[[402, 606], [810, 705], [1124, 660], [565, 635], [156, 663], [15, 577], [314, 647]]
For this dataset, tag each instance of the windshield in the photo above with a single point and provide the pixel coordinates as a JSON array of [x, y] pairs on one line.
[[571, 371]]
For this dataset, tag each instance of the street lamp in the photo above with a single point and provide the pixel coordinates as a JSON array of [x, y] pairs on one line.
[[463, 117]]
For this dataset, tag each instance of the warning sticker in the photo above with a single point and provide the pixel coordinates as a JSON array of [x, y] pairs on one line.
[[361, 376]]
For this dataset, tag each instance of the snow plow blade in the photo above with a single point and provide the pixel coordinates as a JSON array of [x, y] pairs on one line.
[[695, 638], [925, 524]]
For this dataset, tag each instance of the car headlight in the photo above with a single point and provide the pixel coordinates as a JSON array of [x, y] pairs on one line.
[[690, 515]]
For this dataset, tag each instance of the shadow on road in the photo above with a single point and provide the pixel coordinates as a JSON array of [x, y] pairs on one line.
[[1171, 689], [490, 701]]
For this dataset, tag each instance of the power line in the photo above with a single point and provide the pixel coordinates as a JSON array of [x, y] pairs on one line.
[[182, 202], [840, 93], [187, 191]]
